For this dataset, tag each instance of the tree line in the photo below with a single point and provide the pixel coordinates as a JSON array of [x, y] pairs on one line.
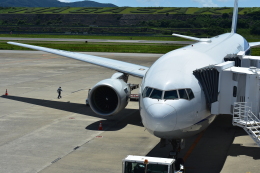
[[216, 24]]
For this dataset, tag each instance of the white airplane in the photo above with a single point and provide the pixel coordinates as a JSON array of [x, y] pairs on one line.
[[173, 105]]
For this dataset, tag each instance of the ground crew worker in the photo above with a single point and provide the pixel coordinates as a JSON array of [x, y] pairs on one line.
[[59, 92]]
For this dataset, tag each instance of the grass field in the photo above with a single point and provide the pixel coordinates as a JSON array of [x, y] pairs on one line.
[[161, 38], [249, 38], [123, 10], [105, 47], [256, 51]]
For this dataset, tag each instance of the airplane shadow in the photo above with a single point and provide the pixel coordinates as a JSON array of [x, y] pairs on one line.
[[106, 123], [237, 150], [78, 109], [134, 119]]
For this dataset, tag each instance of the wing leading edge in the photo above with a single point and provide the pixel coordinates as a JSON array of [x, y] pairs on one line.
[[193, 38], [124, 67], [254, 44]]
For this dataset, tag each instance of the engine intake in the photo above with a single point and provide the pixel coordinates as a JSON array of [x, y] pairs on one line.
[[109, 96]]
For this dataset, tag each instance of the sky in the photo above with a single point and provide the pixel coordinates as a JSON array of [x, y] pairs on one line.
[[177, 3]]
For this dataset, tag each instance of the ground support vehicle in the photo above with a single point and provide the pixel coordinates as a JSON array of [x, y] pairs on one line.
[[143, 164]]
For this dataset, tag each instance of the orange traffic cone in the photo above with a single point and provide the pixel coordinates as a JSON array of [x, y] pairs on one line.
[[6, 93], [100, 126]]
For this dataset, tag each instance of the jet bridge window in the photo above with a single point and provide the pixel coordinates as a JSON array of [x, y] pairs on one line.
[[156, 94], [171, 95], [183, 94]]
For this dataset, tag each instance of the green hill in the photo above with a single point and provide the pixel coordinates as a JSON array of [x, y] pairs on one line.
[[91, 7], [51, 3]]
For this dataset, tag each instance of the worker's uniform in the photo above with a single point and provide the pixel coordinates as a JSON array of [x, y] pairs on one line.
[[59, 92]]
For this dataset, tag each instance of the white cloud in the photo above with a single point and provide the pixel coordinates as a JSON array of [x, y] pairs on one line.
[[206, 3]]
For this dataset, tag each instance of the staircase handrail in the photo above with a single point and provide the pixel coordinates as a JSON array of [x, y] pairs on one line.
[[255, 120], [242, 109]]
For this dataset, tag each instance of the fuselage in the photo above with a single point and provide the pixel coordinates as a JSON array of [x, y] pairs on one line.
[[171, 116]]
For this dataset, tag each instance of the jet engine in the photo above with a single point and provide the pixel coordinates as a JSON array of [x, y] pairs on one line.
[[110, 96]]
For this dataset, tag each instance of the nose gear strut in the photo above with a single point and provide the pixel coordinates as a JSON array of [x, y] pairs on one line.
[[176, 148], [177, 145]]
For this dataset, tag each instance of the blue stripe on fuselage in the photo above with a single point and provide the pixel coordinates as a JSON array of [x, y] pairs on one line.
[[204, 119]]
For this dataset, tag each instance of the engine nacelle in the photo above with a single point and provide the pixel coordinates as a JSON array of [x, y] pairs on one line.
[[109, 96]]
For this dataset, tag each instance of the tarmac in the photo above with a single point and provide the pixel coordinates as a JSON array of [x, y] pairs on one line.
[[40, 133]]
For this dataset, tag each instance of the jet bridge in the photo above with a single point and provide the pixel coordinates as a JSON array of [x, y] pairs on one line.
[[209, 79], [238, 84], [236, 92]]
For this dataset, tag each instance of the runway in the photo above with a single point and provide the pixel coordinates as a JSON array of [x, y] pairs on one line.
[[95, 40], [40, 133]]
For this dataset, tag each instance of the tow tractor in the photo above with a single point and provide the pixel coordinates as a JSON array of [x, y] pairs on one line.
[[142, 164]]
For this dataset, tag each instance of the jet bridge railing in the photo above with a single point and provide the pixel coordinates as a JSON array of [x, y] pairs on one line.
[[240, 112], [245, 118]]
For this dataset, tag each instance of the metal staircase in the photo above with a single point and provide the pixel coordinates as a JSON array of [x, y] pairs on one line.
[[243, 117]]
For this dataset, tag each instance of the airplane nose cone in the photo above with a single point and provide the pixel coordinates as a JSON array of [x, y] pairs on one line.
[[160, 119], [160, 110]]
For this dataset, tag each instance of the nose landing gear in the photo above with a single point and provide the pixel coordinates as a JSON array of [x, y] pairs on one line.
[[177, 145], [176, 148]]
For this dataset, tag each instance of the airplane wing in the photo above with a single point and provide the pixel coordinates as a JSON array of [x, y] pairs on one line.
[[123, 67], [253, 44], [193, 38]]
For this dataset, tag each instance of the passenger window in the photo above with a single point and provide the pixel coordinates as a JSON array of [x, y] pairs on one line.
[[183, 94], [171, 95], [156, 94], [147, 92], [190, 94]]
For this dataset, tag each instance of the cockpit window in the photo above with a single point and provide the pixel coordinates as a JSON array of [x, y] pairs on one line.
[[156, 94], [171, 95], [190, 94], [147, 92], [183, 94], [144, 91], [168, 95]]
